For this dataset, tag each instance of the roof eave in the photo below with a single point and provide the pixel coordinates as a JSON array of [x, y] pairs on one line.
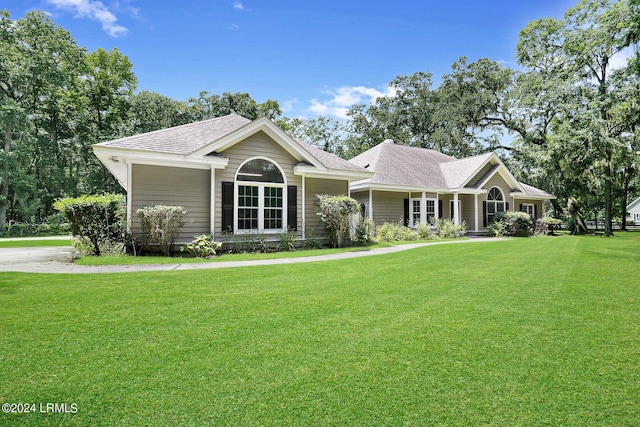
[[289, 144], [314, 172]]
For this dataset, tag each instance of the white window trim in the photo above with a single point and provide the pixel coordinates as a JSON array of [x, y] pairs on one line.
[[529, 208], [413, 212], [261, 186], [422, 207], [495, 203]]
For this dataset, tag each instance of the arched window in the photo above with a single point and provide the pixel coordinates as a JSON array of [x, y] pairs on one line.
[[261, 199], [495, 203]]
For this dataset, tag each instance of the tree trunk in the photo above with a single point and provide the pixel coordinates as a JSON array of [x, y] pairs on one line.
[[608, 222], [4, 179]]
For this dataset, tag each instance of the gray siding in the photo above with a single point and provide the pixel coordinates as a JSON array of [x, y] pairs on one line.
[[257, 145], [388, 206], [162, 185], [315, 186]]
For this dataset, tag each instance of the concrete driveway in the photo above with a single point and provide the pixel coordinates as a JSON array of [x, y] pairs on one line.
[[35, 259]]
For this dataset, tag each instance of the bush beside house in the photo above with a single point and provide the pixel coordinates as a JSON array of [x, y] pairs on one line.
[[97, 222]]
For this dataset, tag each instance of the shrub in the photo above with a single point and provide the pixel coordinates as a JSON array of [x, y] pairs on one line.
[[512, 224], [287, 241], [448, 230], [394, 232], [202, 246], [98, 220], [250, 242], [161, 226], [337, 212], [311, 241], [364, 231], [548, 225]]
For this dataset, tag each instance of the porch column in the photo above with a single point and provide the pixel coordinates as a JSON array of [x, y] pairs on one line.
[[129, 195], [475, 211], [456, 211], [423, 207], [371, 204], [212, 207], [304, 207]]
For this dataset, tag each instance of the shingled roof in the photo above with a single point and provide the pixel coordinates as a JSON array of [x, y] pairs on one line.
[[395, 164], [184, 139], [414, 167], [188, 139]]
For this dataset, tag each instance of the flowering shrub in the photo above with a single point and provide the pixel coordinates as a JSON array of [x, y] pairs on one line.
[[394, 232], [512, 224], [161, 225], [337, 212]]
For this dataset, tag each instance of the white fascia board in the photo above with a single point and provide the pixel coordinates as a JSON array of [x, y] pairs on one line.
[[117, 161], [479, 168], [519, 195], [165, 159], [267, 126], [504, 173], [633, 204], [118, 169], [313, 172], [365, 185]]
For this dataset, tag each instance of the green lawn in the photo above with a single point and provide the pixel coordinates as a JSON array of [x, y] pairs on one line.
[[527, 332], [26, 243], [185, 258]]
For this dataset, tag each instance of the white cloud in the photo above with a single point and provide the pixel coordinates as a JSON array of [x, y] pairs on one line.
[[344, 97], [239, 6], [287, 105], [232, 27], [94, 10]]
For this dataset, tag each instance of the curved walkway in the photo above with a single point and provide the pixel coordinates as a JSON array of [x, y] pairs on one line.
[[58, 259]]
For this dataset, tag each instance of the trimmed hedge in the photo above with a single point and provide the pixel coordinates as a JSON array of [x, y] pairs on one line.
[[98, 220]]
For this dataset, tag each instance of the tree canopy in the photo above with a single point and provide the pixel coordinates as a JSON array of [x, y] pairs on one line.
[[566, 120]]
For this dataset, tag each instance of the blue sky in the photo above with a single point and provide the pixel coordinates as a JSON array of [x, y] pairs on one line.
[[313, 57]]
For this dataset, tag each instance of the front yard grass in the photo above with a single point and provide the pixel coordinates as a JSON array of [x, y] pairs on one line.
[[184, 258], [31, 243], [541, 331]]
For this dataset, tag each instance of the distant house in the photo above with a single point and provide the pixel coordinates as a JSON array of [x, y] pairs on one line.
[[418, 185], [236, 176], [633, 211]]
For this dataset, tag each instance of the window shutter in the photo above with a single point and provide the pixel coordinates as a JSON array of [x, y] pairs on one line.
[[507, 205], [521, 208], [292, 208], [440, 208], [484, 213], [406, 212], [535, 210], [227, 207]]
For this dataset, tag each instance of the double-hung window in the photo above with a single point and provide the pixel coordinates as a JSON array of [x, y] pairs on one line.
[[416, 211], [529, 208], [495, 203], [261, 197]]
